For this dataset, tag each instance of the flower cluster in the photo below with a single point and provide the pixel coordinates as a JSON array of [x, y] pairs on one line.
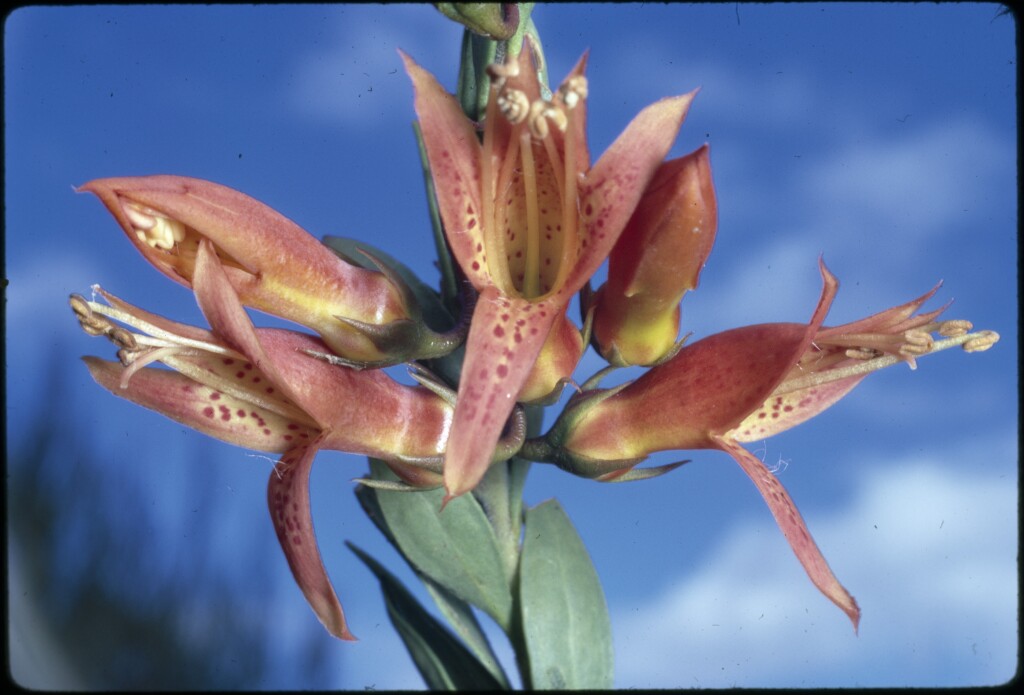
[[528, 219]]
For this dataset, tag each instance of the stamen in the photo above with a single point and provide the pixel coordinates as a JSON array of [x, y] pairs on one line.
[[572, 91], [981, 341], [153, 228], [568, 184], [493, 187], [954, 327], [917, 342], [513, 105], [862, 353], [499, 72], [155, 336], [971, 342], [540, 113], [123, 338], [140, 359], [536, 121], [531, 279]]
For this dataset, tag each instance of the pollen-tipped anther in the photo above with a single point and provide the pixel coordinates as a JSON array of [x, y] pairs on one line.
[[572, 91], [153, 228], [954, 327], [514, 105], [982, 341]]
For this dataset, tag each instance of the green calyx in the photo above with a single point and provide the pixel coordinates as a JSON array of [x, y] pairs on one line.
[[495, 20]]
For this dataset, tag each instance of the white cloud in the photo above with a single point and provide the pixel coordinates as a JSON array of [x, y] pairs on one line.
[[930, 555], [359, 78], [920, 183]]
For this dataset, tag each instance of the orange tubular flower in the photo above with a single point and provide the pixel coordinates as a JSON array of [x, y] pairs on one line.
[[744, 385], [258, 389], [657, 259], [272, 264], [529, 221]]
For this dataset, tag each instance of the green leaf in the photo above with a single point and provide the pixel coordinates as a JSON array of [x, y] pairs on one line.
[[458, 613], [564, 617], [461, 617], [442, 660], [456, 548]]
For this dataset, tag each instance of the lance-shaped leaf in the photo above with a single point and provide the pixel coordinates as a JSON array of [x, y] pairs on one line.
[[455, 547], [529, 221], [441, 659], [564, 615], [272, 264]]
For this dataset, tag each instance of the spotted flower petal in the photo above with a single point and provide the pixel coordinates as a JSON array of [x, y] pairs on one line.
[[529, 221]]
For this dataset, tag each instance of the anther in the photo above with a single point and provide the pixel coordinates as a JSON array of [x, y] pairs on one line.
[[954, 327], [95, 326], [126, 356], [916, 342], [91, 323], [572, 91], [80, 306], [154, 229], [499, 72], [862, 353], [537, 123], [513, 105], [981, 342], [123, 338], [139, 218], [540, 112]]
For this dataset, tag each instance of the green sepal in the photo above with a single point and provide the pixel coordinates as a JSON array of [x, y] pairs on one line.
[[443, 661], [457, 549], [563, 614], [630, 474]]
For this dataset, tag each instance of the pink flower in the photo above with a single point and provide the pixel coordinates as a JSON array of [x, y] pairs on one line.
[[271, 263], [744, 385], [529, 220], [260, 389]]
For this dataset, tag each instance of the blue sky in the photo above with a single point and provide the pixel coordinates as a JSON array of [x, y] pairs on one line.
[[882, 136]]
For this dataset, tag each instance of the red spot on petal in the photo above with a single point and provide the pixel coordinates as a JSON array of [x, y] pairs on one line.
[[499, 331], [214, 396], [502, 371], [208, 411]]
